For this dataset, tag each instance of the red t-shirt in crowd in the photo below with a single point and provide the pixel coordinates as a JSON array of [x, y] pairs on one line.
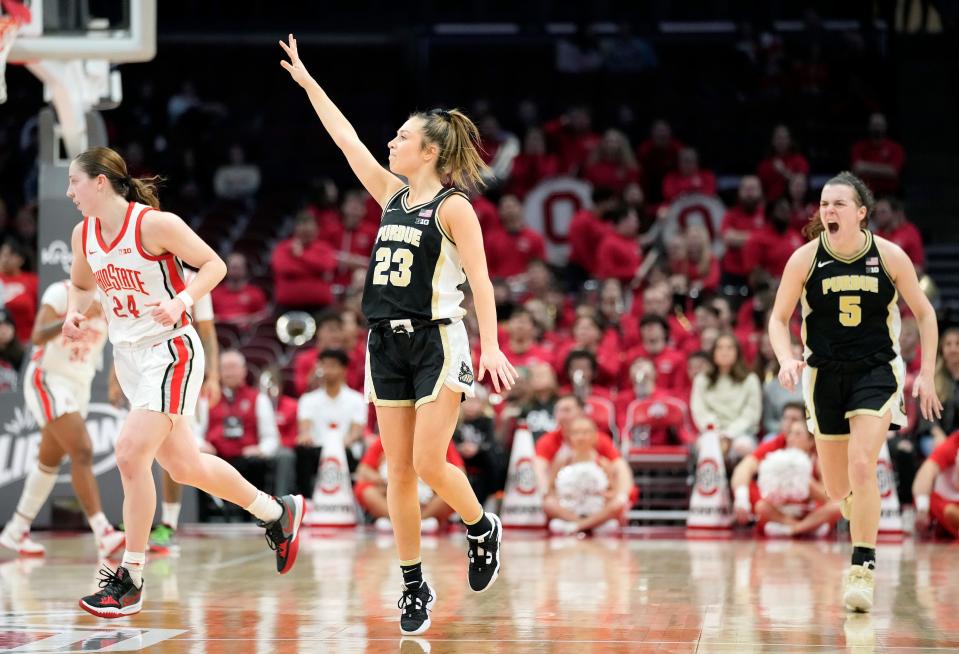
[[304, 280], [304, 363], [530, 170], [586, 232], [670, 369], [662, 413], [572, 147], [357, 241], [20, 301], [618, 257], [231, 304], [886, 151], [770, 250], [509, 254], [232, 423], [549, 444], [907, 237], [656, 162], [774, 184], [676, 184], [610, 175], [286, 421], [533, 354], [734, 261]]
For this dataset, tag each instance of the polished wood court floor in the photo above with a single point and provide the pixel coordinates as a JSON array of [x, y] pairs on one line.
[[220, 595]]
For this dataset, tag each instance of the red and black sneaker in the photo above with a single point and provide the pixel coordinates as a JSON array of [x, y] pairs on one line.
[[118, 597], [283, 534]]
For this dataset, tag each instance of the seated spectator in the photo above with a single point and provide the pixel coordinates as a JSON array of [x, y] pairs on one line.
[[776, 171], [788, 499], [728, 398], [532, 165], [618, 255], [705, 325], [768, 248], [500, 148], [510, 250], [302, 268], [889, 222], [658, 156], [878, 160], [739, 223], [354, 344], [670, 367], [650, 416], [658, 300], [329, 336], [801, 206], [541, 285], [11, 353], [702, 268], [909, 345], [612, 164], [370, 491], [19, 286], [935, 489], [236, 300], [351, 237], [688, 178], [947, 390], [588, 336], [586, 231], [237, 179], [571, 136], [331, 411], [581, 495], [285, 408], [241, 427], [522, 344], [475, 440], [697, 363], [580, 368], [776, 399], [620, 325], [537, 412]]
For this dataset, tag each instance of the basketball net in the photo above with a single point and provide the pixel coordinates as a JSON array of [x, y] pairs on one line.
[[14, 15]]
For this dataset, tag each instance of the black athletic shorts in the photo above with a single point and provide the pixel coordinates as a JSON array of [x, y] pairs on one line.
[[833, 396]]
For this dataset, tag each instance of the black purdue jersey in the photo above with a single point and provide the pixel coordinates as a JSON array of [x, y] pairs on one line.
[[415, 270], [849, 308]]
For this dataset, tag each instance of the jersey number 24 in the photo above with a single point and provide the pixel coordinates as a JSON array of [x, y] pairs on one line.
[[382, 275]]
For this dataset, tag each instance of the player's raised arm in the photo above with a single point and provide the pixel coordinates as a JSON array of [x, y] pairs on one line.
[[378, 181]]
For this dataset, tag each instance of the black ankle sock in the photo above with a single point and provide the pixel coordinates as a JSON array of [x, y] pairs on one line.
[[864, 556], [479, 527], [412, 574]]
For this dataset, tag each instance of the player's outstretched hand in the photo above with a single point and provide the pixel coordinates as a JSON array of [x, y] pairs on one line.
[[925, 389], [501, 371], [295, 66], [73, 326], [790, 373]]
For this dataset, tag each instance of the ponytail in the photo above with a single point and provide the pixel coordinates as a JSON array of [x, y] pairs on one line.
[[458, 141], [864, 198], [108, 162]]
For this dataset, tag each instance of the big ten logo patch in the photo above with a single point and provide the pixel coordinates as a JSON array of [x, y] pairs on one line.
[[523, 478], [333, 475], [886, 478], [707, 477]]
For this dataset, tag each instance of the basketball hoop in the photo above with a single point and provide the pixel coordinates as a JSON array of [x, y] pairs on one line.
[[14, 15]]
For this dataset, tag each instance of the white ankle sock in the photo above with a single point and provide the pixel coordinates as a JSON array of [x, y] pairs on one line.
[[99, 524], [171, 514], [265, 507], [36, 490], [134, 562]]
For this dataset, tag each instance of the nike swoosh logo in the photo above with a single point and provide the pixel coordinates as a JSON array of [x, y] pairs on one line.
[[820, 264], [389, 210], [91, 252]]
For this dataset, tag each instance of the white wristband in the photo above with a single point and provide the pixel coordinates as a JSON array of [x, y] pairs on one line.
[[186, 298], [742, 497], [922, 503]]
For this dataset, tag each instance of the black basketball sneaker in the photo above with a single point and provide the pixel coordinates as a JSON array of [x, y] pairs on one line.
[[415, 606], [118, 597], [484, 555], [283, 534]]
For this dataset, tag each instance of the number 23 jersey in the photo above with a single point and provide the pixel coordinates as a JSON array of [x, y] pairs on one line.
[[415, 271], [849, 308], [131, 281]]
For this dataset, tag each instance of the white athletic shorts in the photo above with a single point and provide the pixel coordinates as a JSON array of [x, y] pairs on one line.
[[164, 376], [49, 396]]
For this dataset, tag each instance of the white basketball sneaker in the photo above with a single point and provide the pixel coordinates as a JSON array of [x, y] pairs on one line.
[[860, 583], [110, 543], [20, 543]]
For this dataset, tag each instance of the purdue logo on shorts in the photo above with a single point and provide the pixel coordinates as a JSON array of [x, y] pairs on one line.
[[466, 375]]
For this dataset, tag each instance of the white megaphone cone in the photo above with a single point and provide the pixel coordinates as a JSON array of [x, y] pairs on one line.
[[890, 516], [523, 499], [333, 504], [709, 506]]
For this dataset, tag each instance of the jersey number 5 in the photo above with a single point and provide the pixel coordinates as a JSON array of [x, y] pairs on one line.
[[382, 275], [850, 313]]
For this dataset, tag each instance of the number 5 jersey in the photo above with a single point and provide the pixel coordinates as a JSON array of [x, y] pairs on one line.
[[415, 271], [131, 281]]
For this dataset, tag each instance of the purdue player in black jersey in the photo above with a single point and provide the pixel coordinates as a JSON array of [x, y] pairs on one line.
[[849, 282], [418, 358]]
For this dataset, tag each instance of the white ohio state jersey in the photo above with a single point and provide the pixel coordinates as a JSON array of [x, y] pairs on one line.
[[132, 281], [75, 360]]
